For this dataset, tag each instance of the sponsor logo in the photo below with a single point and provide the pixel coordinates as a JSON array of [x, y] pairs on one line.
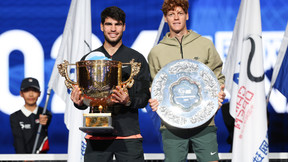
[[24, 126], [213, 153]]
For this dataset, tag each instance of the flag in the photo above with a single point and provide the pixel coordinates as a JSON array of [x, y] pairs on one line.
[[279, 76], [156, 121], [244, 73], [77, 33], [162, 30]]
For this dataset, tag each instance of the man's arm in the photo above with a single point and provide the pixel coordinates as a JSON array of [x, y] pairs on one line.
[[142, 84]]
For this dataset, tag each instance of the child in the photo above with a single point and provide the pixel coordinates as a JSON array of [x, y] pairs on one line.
[[25, 122]]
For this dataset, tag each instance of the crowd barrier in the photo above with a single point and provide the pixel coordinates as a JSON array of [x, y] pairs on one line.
[[149, 157]]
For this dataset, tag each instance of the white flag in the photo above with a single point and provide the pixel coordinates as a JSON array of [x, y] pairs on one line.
[[244, 73], [77, 31]]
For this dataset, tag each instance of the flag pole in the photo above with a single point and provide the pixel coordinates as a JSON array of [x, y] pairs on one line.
[[40, 126], [160, 29]]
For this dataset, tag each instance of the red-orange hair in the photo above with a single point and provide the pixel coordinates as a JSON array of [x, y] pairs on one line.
[[169, 5]]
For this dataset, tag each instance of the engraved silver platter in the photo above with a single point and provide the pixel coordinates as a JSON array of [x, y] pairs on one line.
[[187, 92]]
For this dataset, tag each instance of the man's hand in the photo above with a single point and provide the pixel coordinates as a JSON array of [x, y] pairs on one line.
[[76, 95], [221, 96], [43, 119], [153, 104], [120, 95]]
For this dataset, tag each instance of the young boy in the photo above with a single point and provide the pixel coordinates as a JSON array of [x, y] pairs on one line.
[[25, 122]]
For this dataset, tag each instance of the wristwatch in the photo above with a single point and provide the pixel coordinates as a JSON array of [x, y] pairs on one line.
[[128, 103]]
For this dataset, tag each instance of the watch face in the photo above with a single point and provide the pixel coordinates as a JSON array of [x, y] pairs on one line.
[[128, 103], [187, 92]]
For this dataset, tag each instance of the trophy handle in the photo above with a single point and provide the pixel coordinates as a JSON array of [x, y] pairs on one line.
[[135, 68], [62, 68]]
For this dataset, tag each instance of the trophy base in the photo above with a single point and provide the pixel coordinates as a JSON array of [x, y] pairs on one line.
[[97, 123], [97, 130]]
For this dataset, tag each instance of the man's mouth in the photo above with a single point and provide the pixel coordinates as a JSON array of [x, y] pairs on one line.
[[113, 35]]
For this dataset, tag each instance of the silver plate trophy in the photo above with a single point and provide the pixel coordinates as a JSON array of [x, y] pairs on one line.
[[187, 92]]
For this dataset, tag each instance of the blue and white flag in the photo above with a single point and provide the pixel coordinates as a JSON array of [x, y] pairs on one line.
[[76, 36], [162, 30], [156, 121], [244, 73], [280, 77]]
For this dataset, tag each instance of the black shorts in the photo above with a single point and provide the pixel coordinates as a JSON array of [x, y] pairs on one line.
[[128, 150]]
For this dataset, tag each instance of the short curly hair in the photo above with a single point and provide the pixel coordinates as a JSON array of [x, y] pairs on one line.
[[113, 12], [169, 5]]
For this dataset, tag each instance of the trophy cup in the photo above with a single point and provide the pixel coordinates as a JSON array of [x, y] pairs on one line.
[[97, 79]]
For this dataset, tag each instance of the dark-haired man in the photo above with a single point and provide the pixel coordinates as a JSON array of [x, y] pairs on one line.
[[126, 142]]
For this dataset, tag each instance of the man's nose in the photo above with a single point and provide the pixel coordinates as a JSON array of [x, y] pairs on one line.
[[176, 16], [113, 28]]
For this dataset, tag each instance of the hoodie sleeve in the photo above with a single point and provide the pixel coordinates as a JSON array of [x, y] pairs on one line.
[[153, 64], [215, 63]]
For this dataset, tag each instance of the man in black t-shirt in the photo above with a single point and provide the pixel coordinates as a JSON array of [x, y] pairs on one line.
[[126, 141]]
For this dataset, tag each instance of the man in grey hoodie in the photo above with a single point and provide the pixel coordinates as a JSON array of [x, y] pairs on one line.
[[181, 43]]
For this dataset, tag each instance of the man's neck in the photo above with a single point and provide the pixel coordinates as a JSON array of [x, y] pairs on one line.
[[178, 35], [110, 48]]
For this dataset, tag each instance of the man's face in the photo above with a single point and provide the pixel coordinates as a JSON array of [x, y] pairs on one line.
[[30, 96], [113, 30], [176, 19]]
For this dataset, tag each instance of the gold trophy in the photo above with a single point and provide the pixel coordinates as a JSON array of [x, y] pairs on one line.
[[97, 79]]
